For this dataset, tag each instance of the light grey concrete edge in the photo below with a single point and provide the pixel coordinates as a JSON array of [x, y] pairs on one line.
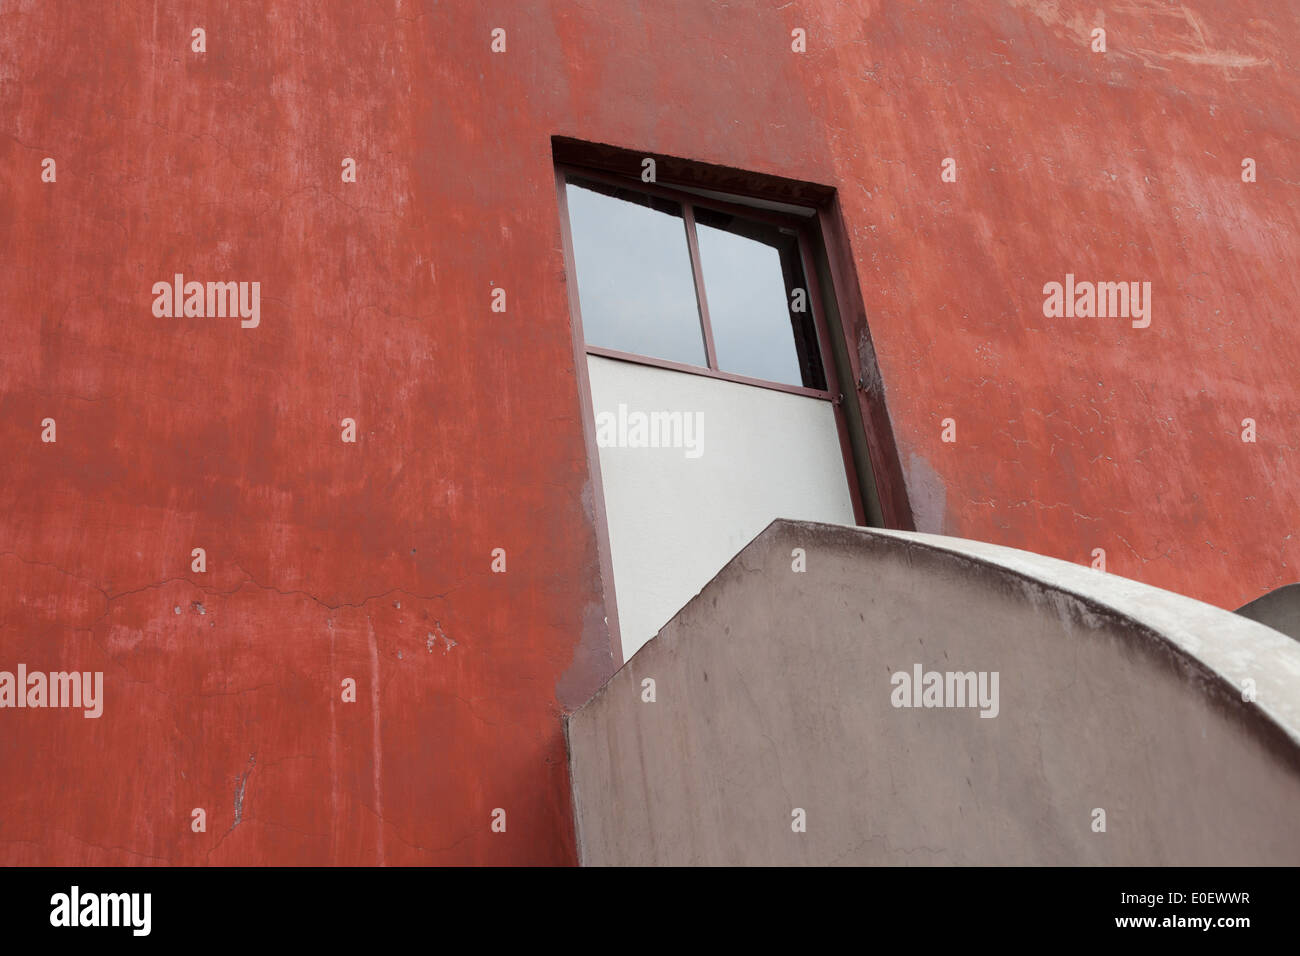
[[1228, 645], [1233, 647]]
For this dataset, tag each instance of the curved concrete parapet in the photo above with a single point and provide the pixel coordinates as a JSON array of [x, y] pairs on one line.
[[1279, 609], [778, 696]]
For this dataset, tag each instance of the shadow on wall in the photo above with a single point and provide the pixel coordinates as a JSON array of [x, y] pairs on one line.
[[914, 699]]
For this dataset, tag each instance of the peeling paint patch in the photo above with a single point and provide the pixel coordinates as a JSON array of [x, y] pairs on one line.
[[430, 641], [929, 497], [870, 381], [240, 785], [593, 660]]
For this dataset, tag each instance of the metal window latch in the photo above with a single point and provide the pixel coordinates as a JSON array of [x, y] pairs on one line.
[[838, 400]]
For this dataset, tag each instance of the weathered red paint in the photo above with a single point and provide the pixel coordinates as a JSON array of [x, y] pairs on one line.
[[183, 433]]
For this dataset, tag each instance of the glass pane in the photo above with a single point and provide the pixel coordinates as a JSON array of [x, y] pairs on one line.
[[635, 282], [758, 300]]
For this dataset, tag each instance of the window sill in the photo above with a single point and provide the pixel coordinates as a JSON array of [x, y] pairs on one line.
[[708, 373]]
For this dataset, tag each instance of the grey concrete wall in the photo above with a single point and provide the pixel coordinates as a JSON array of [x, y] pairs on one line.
[[773, 693], [1279, 609]]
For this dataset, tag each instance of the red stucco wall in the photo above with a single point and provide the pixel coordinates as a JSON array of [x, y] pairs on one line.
[[372, 560]]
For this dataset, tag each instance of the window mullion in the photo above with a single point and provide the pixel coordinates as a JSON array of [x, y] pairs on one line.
[[693, 247]]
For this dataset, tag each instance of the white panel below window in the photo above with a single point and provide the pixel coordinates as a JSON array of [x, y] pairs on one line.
[[678, 514]]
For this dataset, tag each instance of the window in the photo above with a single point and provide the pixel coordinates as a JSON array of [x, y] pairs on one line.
[[669, 276], [720, 299], [635, 278], [758, 300]]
